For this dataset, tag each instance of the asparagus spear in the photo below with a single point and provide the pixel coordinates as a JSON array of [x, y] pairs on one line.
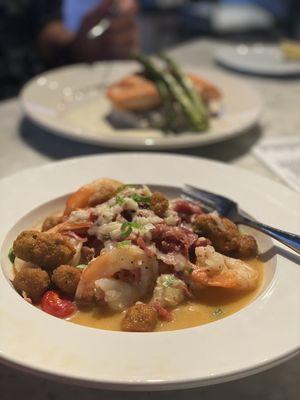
[[189, 89], [167, 101], [155, 76], [174, 89]]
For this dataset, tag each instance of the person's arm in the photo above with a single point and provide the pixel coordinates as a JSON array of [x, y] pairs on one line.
[[59, 45], [54, 42], [51, 35]]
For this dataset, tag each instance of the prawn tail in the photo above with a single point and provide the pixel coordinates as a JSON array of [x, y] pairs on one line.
[[70, 226]]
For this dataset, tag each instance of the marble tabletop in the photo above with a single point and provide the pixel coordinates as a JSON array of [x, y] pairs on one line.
[[23, 145]]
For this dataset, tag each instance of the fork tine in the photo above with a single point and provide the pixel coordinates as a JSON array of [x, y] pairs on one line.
[[223, 205], [212, 196]]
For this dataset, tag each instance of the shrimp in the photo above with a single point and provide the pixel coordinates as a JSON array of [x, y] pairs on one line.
[[100, 279], [70, 226], [93, 193], [137, 93], [215, 269]]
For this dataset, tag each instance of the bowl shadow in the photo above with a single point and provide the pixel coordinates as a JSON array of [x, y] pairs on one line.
[[56, 147]]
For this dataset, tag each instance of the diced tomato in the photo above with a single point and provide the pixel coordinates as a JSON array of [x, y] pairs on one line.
[[53, 304]]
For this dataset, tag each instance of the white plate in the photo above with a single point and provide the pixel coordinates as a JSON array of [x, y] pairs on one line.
[[259, 336], [71, 102], [257, 59]]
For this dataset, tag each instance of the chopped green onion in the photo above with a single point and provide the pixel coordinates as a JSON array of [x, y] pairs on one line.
[[11, 255], [81, 266], [127, 227], [135, 225], [121, 188], [169, 281], [120, 200], [125, 243], [217, 313], [190, 270], [141, 199]]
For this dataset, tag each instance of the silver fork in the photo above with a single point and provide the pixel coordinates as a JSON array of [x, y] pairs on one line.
[[230, 209], [104, 24]]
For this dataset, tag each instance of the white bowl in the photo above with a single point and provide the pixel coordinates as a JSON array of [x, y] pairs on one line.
[[259, 336]]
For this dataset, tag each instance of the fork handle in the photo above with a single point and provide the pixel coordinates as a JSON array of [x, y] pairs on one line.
[[289, 239]]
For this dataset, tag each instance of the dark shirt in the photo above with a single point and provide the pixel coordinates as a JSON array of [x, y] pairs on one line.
[[20, 23]]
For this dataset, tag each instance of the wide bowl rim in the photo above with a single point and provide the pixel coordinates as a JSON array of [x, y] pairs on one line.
[[165, 382]]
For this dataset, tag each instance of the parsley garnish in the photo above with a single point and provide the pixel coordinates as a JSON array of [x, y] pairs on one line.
[[217, 313], [125, 243], [11, 255], [127, 227], [190, 270]]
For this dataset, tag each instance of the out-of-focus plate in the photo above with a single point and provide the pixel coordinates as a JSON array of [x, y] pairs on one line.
[[71, 102], [259, 336], [257, 59]]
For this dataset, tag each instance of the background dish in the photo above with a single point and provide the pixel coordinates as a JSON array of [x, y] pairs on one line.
[[71, 102], [257, 59], [247, 342]]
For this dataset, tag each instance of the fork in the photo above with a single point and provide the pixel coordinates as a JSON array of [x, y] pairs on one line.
[[104, 24], [230, 209]]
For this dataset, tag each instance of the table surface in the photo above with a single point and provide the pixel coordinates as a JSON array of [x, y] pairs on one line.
[[23, 145]]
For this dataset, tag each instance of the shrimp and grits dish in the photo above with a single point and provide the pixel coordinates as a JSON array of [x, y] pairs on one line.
[[126, 258]]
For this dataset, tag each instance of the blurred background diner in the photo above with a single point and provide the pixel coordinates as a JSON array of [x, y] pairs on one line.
[[36, 35]]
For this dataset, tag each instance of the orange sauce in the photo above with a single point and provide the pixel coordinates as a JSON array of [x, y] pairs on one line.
[[210, 305]]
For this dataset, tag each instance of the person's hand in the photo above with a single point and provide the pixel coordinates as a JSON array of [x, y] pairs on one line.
[[119, 41]]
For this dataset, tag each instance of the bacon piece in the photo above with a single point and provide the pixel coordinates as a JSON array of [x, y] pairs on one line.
[[93, 217], [75, 236], [187, 207], [173, 239], [200, 242], [162, 311], [141, 243], [95, 244], [87, 254], [186, 291]]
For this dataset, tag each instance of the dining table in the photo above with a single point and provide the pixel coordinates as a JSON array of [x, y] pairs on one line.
[[24, 145]]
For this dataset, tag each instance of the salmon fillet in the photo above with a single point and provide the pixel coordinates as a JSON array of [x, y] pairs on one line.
[[137, 93]]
